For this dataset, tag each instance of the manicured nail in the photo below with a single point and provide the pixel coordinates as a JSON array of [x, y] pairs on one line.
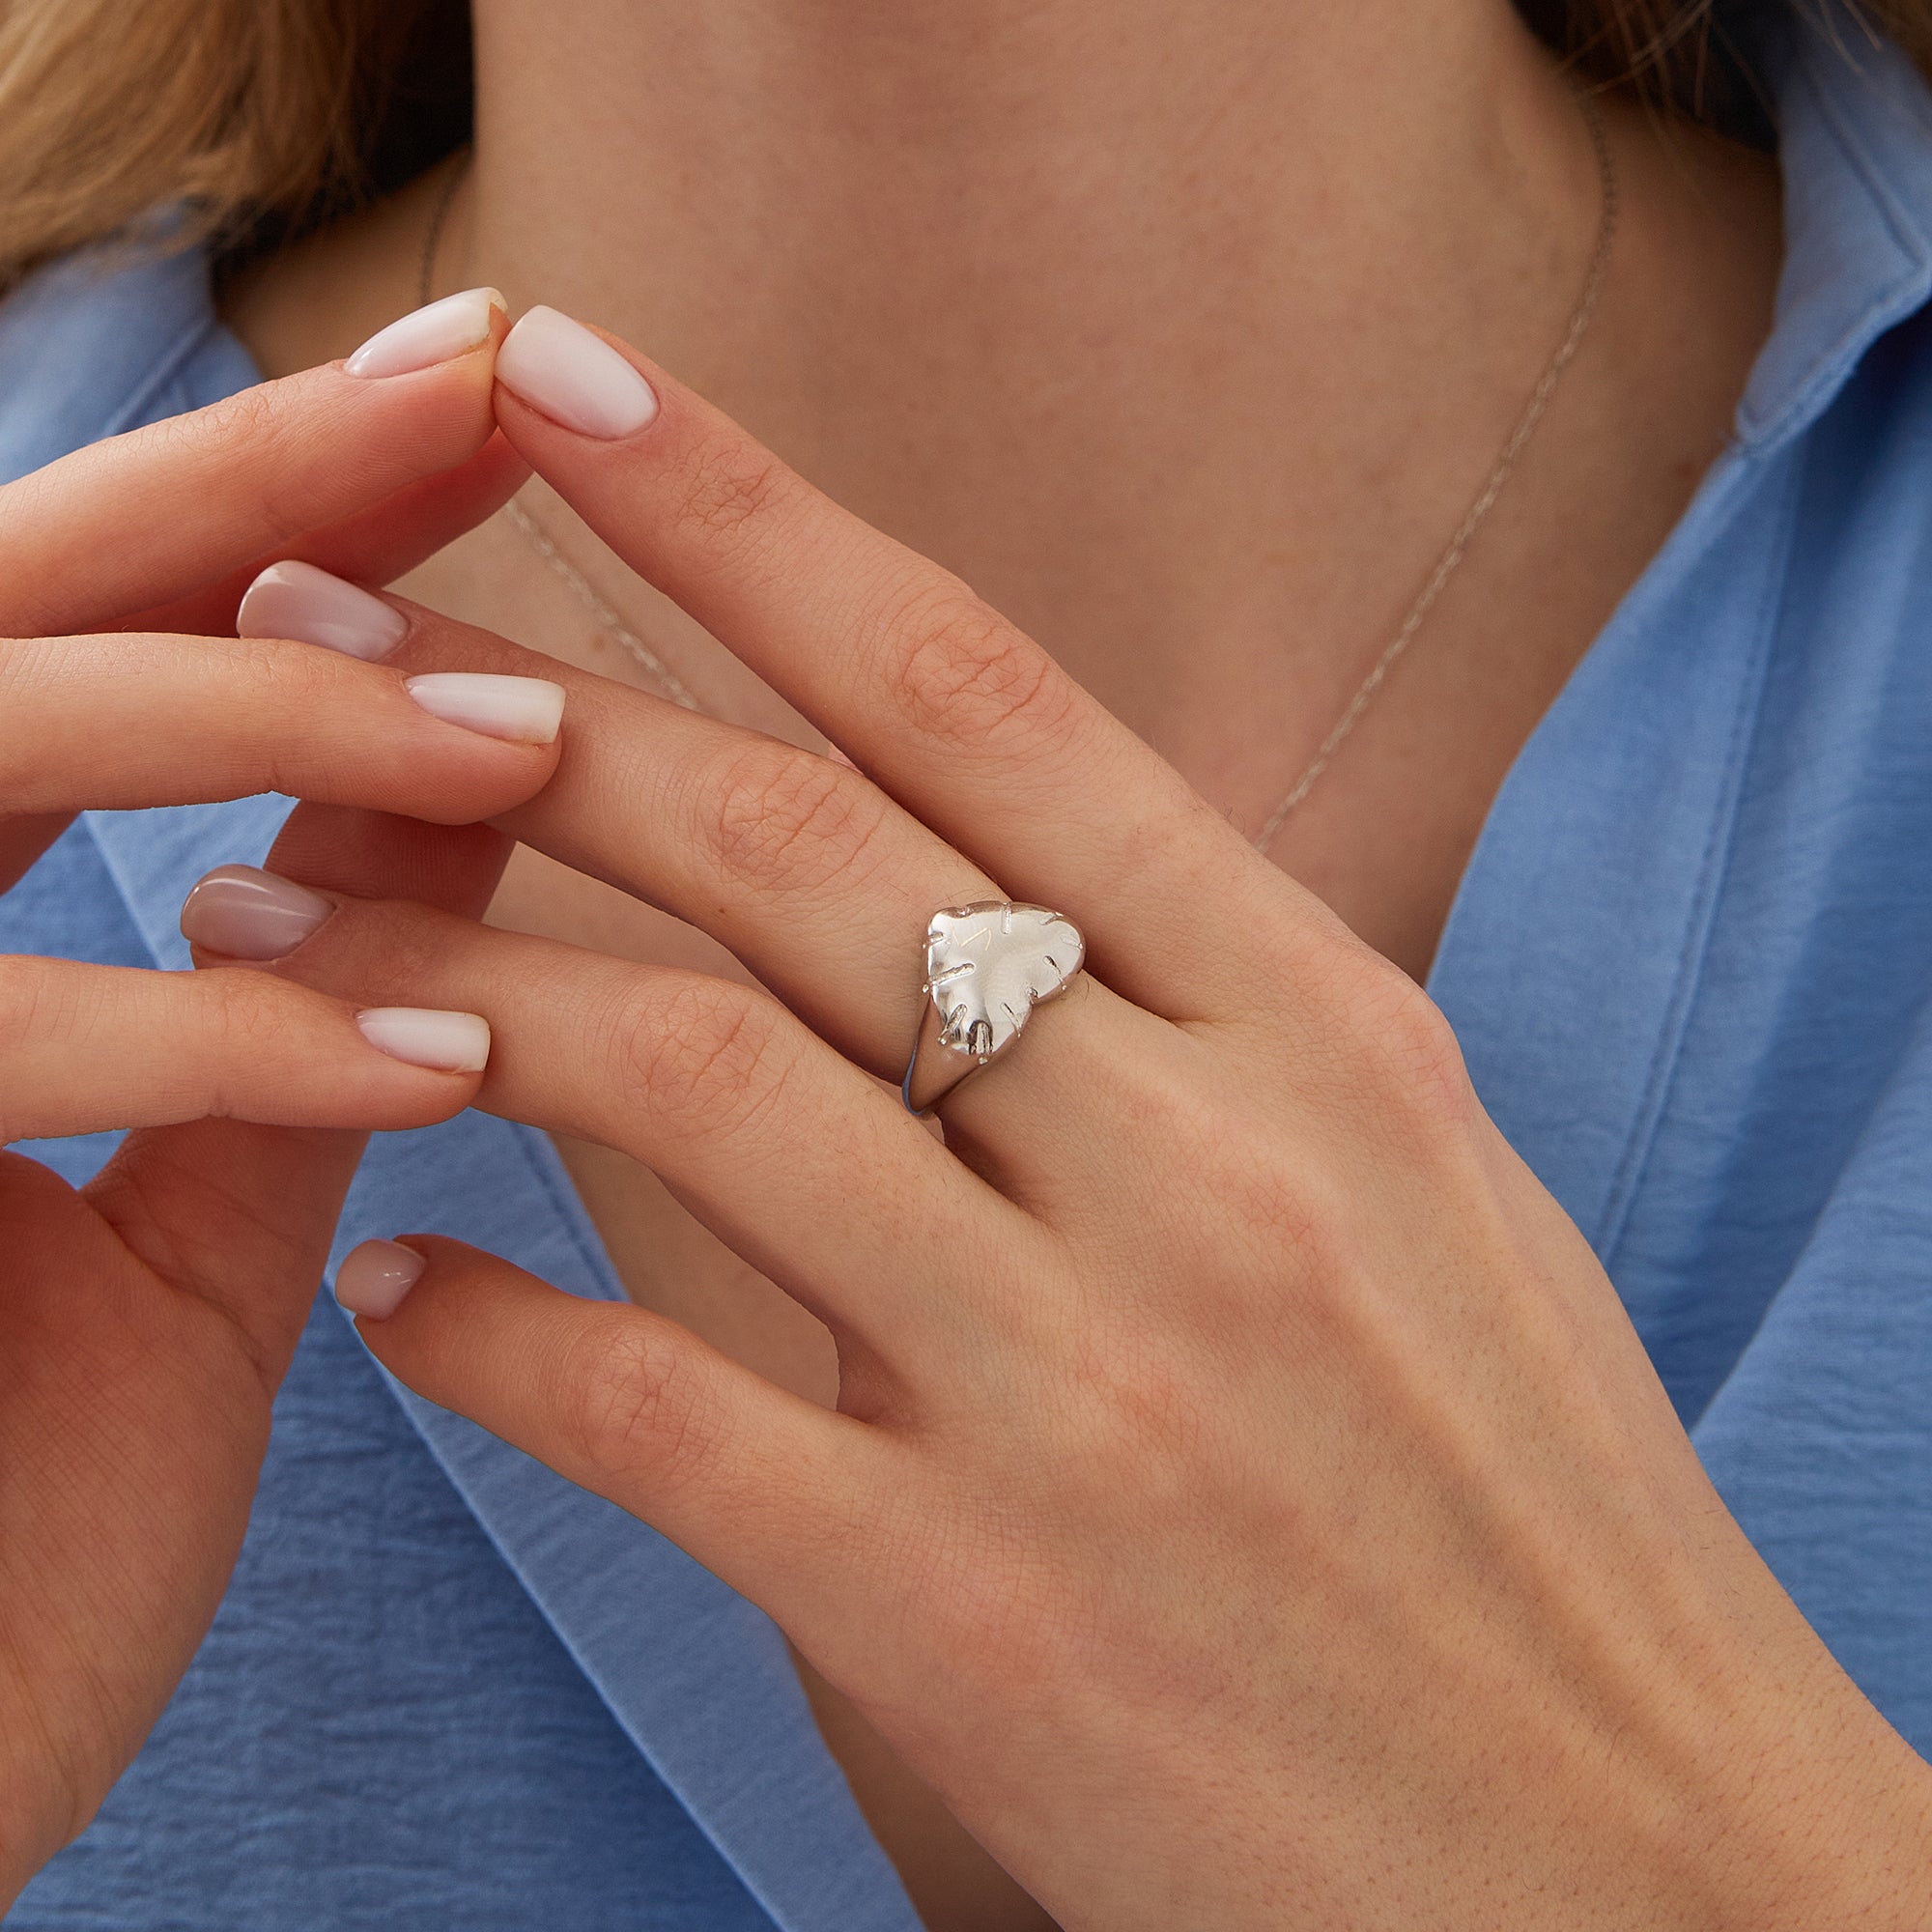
[[525, 709], [298, 600], [427, 336], [375, 1276], [427, 1037], [573, 376], [244, 913]]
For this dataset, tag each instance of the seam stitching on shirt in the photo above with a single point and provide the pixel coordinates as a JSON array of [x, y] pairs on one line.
[[122, 891], [573, 1218], [1871, 1128], [418, 1411], [1713, 870]]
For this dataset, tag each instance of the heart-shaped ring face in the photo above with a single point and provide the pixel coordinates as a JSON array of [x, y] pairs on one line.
[[987, 966]]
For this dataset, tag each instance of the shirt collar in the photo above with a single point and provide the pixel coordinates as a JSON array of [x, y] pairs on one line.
[[1854, 142]]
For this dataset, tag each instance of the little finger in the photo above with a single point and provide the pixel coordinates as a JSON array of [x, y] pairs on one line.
[[763, 1488]]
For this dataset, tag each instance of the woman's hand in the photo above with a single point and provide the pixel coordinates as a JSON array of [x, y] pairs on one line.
[[1248, 1502], [146, 1320]]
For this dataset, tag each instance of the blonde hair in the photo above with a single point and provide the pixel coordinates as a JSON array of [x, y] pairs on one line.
[[264, 114], [111, 107]]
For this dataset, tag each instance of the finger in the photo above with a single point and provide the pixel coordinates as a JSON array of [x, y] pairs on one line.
[[754, 1481], [798, 864], [377, 545], [808, 1168], [243, 1215], [811, 875], [374, 546], [968, 723], [143, 519], [85, 1048], [119, 721]]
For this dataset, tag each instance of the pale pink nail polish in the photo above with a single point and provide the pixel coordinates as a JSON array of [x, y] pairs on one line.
[[574, 378], [427, 1037], [427, 336], [297, 599], [526, 710], [375, 1276], [244, 913]]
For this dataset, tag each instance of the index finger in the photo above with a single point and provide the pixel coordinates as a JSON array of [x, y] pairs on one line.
[[140, 520], [965, 721]]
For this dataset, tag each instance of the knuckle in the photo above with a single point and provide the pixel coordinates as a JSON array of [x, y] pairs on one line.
[[245, 415], [700, 1055], [25, 503], [964, 674], [246, 1016], [258, 420], [1007, 1617], [1413, 1058], [43, 694], [728, 488], [634, 1401], [25, 990], [1141, 1408], [785, 821], [1280, 1210]]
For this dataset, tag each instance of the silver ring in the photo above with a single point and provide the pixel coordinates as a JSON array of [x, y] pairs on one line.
[[987, 966]]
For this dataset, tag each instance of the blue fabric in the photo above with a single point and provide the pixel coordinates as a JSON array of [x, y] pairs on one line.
[[1690, 965]]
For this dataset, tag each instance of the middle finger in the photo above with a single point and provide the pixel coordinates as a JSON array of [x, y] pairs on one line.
[[806, 871]]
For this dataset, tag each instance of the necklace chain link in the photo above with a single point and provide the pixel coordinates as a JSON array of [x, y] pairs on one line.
[[679, 692]]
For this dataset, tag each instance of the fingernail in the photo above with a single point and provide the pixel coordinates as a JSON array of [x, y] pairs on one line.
[[427, 1037], [574, 378], [427, 336], [375, 1276], [298, 600], [244, 913], [525, 709]]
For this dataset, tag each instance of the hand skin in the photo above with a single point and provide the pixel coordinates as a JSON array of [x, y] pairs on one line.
[[146, 1318], [1248, 1504]]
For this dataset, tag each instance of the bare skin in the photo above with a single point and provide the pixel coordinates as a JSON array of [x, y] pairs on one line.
[[1187, 354]]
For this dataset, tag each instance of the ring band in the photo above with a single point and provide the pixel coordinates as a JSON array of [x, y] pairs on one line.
[[987, 966]]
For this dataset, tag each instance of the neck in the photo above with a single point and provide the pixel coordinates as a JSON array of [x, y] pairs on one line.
[[1187, 345], [967, 267], [826, 189]]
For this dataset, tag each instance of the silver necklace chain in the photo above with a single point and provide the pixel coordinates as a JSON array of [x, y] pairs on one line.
[[526, 526], [673, 687], [678, 691]]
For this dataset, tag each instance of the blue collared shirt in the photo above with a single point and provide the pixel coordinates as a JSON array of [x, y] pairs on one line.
[[1691, 966]]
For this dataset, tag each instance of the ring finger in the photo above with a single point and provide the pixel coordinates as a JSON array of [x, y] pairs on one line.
[[805, 1167], [814, 878]]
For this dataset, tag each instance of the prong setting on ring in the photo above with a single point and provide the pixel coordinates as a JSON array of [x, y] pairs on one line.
[[987, 965]]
